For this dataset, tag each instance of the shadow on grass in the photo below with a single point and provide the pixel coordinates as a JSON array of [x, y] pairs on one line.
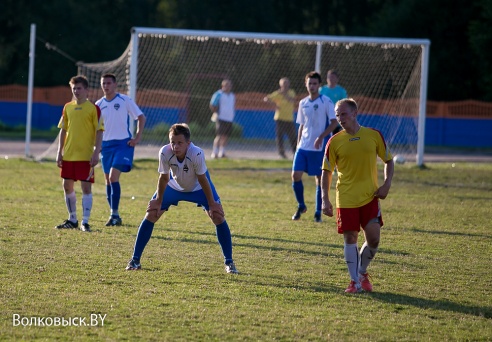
[[457, 186], [261, 238], [213, 241], [438, 232], [246, 245], [444, 305]]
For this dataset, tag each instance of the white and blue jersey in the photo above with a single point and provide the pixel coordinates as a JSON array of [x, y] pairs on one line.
[[183, 175], [116, 153], [226, 103], [116, 114], [183, 182], [315, 116]]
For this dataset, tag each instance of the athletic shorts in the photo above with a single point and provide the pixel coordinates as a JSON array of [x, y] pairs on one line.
[[77, 170], [223, 127], [352, 219], [308, 161], [173, 197], [117, 154]]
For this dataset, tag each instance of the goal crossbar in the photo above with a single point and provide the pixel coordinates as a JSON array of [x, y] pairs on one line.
[[314, 39], [172, 73]]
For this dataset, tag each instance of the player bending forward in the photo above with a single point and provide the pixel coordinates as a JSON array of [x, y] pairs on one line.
[[183, 176], [354, 153]]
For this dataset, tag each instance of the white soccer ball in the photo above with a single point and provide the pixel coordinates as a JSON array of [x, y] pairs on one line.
[[399, 159]]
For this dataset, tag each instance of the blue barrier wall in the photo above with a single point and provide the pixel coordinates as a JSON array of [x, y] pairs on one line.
[[260, 124]]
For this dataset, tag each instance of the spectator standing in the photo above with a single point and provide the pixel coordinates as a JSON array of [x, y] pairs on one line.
[[284, 99], [223, 105]]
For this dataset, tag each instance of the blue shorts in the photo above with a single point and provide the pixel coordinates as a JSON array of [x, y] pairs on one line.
[[308, 161], [172, 197], [117, 154]]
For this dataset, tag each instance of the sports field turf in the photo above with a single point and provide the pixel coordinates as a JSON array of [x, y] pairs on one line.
[[431, 276]]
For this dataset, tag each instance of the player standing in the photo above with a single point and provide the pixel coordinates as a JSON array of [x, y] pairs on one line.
[[316, 119], [81, 130], [183, 176], [333, 90], [118, 146], [354, 153], [284, 99], [223, 102]]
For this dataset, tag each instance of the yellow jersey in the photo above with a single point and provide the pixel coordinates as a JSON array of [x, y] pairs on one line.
[[81, 122], [285, 108], [355, 157]]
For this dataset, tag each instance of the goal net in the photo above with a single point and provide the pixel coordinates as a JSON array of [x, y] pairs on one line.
[[172, 75]]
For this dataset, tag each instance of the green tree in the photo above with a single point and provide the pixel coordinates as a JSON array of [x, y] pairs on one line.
[[445, 23], [460, 32], [93, 31], [480, 35]]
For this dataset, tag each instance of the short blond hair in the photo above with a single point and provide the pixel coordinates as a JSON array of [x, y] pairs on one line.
[[349, 101]]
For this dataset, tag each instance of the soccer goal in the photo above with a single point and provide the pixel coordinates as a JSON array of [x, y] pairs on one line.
[[172, 75]]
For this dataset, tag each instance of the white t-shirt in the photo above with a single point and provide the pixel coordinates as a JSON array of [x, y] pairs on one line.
[[183, 175], [116, 114], [315, 115], [226, 103]]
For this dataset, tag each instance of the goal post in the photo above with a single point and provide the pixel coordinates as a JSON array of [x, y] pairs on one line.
[[172, 74]]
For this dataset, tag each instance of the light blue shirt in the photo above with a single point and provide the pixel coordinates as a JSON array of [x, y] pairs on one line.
[[335, 94]]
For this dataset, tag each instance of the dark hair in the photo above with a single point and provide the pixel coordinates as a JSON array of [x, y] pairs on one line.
[[333, 72], [110, 75], [180, 129], [79, 79], [349, 101], [313, 74]]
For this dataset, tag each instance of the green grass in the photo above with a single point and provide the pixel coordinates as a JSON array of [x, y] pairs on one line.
[[431, 277]]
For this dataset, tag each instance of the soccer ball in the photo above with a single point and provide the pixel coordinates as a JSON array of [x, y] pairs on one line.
[[399, 159]]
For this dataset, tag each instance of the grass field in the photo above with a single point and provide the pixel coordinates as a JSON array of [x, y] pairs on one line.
[[431, 277]]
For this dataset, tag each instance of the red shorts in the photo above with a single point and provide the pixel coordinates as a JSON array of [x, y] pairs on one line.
[[352, 219], [77, 170]]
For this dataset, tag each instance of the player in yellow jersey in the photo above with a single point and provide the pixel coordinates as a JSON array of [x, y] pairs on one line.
[[354, 152], [284, 99], [81, 130]]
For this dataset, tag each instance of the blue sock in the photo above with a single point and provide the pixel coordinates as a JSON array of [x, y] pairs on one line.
[[225, 240], [299, 193], [115, 197], [108, 194], [143, 237], [319, 201]]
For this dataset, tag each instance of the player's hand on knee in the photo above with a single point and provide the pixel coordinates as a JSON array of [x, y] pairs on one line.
[[154, 211], [154, 205], [216, 213]]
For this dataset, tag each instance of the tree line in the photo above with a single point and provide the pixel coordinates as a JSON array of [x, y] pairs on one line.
[[93, 31]]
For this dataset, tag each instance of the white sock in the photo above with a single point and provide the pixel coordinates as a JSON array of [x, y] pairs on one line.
[[86, 207], [71, 202], [351, 253], [366, 255]]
